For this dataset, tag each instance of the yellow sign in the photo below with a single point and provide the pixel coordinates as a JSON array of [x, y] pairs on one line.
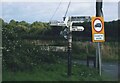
[[98, 29]]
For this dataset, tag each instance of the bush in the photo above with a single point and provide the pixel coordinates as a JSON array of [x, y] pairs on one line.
[[19, 55]]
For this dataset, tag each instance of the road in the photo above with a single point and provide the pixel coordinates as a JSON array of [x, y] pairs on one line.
[[0, 69], [108, 68], [111, 69], [0, 63]]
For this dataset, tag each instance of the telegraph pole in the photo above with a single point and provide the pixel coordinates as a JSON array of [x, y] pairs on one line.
[[99, 13], [69, 48]]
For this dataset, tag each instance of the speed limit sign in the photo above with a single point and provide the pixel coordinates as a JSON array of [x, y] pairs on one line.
[[98, 29]]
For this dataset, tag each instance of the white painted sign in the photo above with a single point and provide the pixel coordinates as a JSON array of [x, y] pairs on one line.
[[98, 36], [77, 28], [64, 33]]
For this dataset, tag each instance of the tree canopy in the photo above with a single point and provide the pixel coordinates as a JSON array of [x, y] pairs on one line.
[[42, 30]]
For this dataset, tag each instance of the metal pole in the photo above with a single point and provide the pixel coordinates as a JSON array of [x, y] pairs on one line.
[[99, 57], [99, 14], [1, 51], [70, 50], [96, 57]]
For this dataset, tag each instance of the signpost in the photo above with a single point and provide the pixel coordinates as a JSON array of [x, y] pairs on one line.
[[64, 33], [100, 24], [77, 28], [69, 48], [98, 29], [67, 33], [97, 32]]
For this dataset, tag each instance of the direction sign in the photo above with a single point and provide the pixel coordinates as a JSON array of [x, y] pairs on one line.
[[77, 28], [64, 33], [98, 29]]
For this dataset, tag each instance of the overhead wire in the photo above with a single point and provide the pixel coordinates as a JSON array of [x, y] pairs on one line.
[[67, 8], [56, 10]]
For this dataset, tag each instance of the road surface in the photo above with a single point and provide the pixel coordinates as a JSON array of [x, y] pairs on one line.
[[108, 68], [0, 69], [111, 69]]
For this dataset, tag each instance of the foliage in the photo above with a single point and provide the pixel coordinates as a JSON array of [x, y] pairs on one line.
[[55, 72], [41, 30], [19, 55]]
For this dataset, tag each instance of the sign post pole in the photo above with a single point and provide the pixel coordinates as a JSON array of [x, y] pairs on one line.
[[67, 33], [69, 48], [99, 14], [99, 57]]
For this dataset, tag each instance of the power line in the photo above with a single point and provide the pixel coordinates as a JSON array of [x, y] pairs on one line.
[[67, 8], [56, 10]]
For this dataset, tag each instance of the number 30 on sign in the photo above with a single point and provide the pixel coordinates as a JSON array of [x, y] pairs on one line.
[[98, 29]]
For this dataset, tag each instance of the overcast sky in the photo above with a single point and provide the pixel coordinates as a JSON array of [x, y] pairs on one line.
[[43, 11]]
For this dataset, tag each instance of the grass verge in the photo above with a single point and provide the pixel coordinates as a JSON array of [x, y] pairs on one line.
[[54, 72]]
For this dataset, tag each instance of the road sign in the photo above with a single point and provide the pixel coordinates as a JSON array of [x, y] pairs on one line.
[[77, 28], [80, 19], [64, 33], [98, 29], [57, 23]]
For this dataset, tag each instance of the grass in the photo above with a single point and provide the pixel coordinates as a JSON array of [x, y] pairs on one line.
[[54, 72], [109, 50]]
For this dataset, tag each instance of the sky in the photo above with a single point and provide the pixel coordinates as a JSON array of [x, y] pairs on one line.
[[119, 10], [43, 11]]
